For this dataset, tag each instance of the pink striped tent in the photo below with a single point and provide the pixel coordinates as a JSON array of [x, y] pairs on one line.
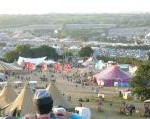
[[111, 75]]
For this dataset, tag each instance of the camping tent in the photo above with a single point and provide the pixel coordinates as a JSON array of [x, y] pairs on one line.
[[23, 102], [113, 75], [57, 96], [7, 95]]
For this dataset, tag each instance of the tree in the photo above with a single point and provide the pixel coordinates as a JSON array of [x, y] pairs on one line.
[[43, 51], [68, 53], [23, 50], [10, 56], [141, 82], [26, 51], [85, 51]]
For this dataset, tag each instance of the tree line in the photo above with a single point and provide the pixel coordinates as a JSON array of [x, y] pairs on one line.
[[29, 52], [51, 53]]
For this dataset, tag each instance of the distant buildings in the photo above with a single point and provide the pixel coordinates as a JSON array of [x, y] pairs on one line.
[[114, 52]]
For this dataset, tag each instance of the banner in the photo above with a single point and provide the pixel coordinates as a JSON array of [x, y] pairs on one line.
[[67, 68], [58, 67], [29, 66], [44, 67]]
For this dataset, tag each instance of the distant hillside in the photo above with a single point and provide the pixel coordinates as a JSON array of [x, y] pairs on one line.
[[120, 20]]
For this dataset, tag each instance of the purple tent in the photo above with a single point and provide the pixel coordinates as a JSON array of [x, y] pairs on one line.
[[113, 74]]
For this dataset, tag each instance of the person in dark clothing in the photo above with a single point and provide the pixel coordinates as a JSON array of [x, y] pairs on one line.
[[44, 104]]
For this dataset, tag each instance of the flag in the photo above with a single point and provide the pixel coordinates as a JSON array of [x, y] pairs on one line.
[[67, 68], [58, 67], [44, 67], [29, 66]]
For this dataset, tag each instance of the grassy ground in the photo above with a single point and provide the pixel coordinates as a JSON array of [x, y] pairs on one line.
[[108, 112]]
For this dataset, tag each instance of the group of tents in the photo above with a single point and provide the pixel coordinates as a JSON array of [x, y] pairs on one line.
[[11, 67], [10, 101], [110, 74]]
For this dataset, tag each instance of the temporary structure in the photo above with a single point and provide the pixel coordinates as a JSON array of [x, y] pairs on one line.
[[24, 102], [57, 96], [8, 67], [113, 75], [7, 95], [2, 75], [147, 101], [88, 61], [35, 61], [48, 62]]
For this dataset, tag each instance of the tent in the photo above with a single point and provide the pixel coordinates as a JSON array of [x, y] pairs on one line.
[[147, 101], [99, 65], [113, 75], [23, 102], [124, 67], [2, 75], [7, 95], [57, 96], [48, 62], [36, 61], [88, 61], [8, 67], [3, 83], [4, 36]]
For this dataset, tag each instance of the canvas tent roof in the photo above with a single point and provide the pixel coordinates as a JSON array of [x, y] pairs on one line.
[[57, 96], [113, 73], [8, 67], [23, 102], [147, 101], [7, 95], [48, 62], [88, 61], [36, 61]]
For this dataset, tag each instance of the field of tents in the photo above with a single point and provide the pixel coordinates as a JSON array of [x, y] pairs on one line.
[[68, 85]]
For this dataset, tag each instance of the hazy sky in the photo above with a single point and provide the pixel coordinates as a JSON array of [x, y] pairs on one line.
[[73, 6]]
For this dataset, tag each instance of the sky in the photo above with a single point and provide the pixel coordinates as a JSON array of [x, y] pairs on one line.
[[73, 6]]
